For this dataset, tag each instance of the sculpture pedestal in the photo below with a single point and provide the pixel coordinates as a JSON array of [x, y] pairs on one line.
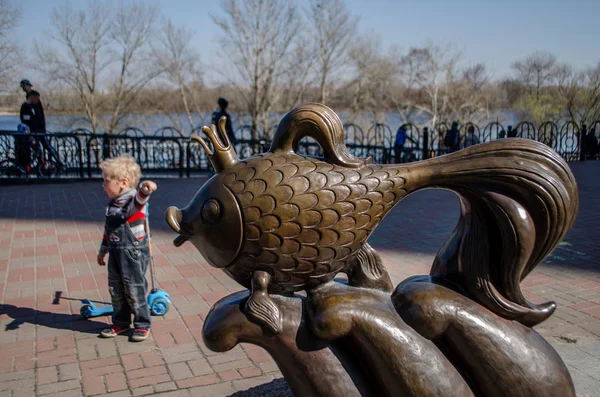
[[347, 341], [310, 366]]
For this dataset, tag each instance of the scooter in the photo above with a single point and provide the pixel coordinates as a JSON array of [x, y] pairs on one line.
[[158, 300]]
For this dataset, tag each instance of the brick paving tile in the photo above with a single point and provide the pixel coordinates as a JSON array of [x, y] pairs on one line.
[[67, 393], [198, 381], [216, 390], [132, 361], [180, 371], [249, 372], [142, 391], [47, 375], [150, 380], [123, 393], [229, 375], [115, 382], [163, 387], [58, 387], [48, 244], [93, 385]]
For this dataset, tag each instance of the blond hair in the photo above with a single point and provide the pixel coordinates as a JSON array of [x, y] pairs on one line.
[[122, 167]]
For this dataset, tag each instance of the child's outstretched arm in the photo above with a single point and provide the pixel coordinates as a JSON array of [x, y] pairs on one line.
[[143, 193], [135, 212], [147, 187]]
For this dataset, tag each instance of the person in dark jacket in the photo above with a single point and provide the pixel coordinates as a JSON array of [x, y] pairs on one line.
[[470, 138], [401, 136], [38, 108], [590, 144], [220, 112], [30, 114], [452, 138]]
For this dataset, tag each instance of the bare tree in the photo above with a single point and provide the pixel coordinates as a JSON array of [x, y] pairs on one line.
[[93, 45], [579, 92], [257, 39], [535, 71], [362, 53], [84, 38], [179, 62], [131, 29], [468, 97], [591, 94], [536, 76], [374, 81], [432, 71], [297, 79], [9, 52], [333, 29]]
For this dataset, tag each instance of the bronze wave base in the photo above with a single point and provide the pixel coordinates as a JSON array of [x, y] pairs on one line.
[[423, 340]]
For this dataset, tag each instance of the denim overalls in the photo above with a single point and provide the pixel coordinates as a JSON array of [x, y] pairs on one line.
[[127, 264]]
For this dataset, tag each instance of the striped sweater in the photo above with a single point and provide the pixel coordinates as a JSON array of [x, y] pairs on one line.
[[132, 206]]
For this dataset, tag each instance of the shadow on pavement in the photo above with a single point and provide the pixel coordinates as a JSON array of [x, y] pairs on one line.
[[73, 322], [275, 388]]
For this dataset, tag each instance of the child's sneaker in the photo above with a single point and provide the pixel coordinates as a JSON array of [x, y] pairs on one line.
[[113, 331], [139, 335]]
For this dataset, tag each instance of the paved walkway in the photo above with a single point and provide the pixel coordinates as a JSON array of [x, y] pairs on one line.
[[49, 237]]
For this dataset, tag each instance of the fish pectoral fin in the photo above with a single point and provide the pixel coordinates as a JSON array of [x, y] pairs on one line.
[[366, 270], [260, 307]]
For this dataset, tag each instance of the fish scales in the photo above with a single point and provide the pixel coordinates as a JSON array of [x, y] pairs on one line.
[[306, 218]]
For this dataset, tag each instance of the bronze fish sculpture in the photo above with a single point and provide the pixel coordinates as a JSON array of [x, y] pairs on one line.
[[279, 222]]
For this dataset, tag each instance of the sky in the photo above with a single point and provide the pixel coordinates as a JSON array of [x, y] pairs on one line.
[[496, 33]]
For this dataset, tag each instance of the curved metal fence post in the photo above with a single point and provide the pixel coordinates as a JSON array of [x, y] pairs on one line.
[[79, 154], [187, 157], [425, 143], [89, 155], [582, 149], [181, 158]]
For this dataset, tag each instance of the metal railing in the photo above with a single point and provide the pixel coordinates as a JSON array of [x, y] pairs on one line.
[[169, 152]]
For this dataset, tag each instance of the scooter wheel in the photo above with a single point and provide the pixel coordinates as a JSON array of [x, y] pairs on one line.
[[159, 307], [86, 311]]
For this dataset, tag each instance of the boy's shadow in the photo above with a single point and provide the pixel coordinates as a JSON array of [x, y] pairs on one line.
[[73, 322]]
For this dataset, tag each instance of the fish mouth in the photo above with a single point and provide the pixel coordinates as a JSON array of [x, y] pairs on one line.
[[174, 217]]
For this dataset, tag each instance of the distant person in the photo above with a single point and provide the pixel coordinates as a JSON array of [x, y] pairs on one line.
[[40, 118], [511, 133], [30, 114], [23, 144], [452, 138], [39, 109], [470, 138], [30, 122], [401, 136], [590, 144], [220, 112]]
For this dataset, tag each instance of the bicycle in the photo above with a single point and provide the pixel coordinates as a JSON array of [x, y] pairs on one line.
[[37, 164]]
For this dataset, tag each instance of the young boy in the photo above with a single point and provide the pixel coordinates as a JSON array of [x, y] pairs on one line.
[[126, 243]]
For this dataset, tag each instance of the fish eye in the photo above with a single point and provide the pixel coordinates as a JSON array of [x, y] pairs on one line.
[[211, 211]]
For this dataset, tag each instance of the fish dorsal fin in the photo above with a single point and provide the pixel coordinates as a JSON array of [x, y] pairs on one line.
[[319, 122]]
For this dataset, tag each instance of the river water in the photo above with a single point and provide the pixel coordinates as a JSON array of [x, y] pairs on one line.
[[151, 123]]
